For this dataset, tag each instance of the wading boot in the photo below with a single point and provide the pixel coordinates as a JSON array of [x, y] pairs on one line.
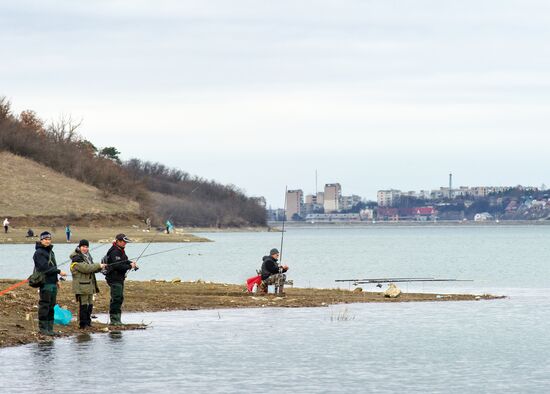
[[82, 317], [89, 316], [115, 320], [51, 331], [43, 327]]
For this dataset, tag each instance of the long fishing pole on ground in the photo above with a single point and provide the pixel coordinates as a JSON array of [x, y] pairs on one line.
[[19, 284]]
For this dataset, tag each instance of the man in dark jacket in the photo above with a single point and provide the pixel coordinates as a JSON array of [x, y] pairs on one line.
[[273, 273], [118, 265], [83, 270], [44, 261]]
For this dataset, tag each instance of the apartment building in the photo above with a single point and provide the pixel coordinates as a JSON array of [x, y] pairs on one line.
[[294, 203], [387, 198], [332, 197]]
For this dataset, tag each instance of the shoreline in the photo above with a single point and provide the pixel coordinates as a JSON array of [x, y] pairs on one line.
[[451, 223], [18, 309], [17, 236]]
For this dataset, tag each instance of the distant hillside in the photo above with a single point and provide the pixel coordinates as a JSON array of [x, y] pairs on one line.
[[29, 189], [158, 192]]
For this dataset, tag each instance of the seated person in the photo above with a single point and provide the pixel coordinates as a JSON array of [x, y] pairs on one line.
[[273, 273], [30, 233]]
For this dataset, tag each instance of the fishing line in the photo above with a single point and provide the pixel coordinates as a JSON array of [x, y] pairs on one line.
[[19, 284]]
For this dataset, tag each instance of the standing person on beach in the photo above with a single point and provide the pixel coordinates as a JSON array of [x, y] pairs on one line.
[[68, 232], [6, 225], [118, 265], [83, 270], [273, 273], [44, 261]]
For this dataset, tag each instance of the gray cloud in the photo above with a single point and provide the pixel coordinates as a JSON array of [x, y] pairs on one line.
[[338, 85]]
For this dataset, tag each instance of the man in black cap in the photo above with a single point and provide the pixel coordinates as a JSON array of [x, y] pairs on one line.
[[83, 270], [118, 265], [273, 273], [44, 261]]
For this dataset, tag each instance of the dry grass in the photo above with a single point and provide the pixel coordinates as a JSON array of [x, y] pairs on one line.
[[31, 189]]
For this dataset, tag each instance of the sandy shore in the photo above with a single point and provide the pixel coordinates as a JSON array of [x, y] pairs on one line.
[[98, 235], [18, 309]]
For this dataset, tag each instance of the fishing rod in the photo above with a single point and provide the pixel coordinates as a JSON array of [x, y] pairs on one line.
[[379, 279], [414, 280], [19, 284], [156, 235], [283, 230], [149, 255]]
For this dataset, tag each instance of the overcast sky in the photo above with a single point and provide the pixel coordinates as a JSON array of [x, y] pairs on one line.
[[260, 94]]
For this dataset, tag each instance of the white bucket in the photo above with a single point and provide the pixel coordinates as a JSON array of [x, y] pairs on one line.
[[271, 289]]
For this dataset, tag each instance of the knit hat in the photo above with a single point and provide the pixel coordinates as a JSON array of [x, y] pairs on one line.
[[83, 242], [273, 251], [45, 234]]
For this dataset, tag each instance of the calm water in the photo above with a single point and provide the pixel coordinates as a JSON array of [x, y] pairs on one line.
[[474, 347]]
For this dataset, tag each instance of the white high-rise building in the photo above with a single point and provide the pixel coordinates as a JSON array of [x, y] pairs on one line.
[[387, 198]]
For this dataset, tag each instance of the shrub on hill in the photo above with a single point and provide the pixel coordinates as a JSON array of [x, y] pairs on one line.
[[196, 202], [199, 201]]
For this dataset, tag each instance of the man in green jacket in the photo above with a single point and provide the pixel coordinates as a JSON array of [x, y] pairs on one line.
[[83, 270]]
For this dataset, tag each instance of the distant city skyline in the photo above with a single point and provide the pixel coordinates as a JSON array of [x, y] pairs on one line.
[[372, 94]]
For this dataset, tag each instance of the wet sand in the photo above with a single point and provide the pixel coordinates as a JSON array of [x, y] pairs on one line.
[[18, 309]]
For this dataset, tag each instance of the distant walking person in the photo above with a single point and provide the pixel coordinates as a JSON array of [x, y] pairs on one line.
[[118, 265], [68, 232], [44, 261], [83, 270], [6, 225], [169, 226]]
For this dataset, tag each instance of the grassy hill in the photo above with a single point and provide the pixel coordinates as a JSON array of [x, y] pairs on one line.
[[67, 176], [31, 190]]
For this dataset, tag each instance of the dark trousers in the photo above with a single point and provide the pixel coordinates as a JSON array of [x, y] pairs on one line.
[[5, 229], [48, 297], [85, 302], [117, 298]]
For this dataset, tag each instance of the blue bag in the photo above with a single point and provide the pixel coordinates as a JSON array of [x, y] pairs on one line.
[[61, 316]]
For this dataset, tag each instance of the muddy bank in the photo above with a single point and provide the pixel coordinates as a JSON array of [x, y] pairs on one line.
[[18, 309], [97, 235]]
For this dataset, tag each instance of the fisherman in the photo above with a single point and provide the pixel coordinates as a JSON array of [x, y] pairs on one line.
[[273, 273], [118, 265], [83, 270], [44, 261], [6, 225]]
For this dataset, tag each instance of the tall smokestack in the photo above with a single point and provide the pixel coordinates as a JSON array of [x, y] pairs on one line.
[[451, 185]]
